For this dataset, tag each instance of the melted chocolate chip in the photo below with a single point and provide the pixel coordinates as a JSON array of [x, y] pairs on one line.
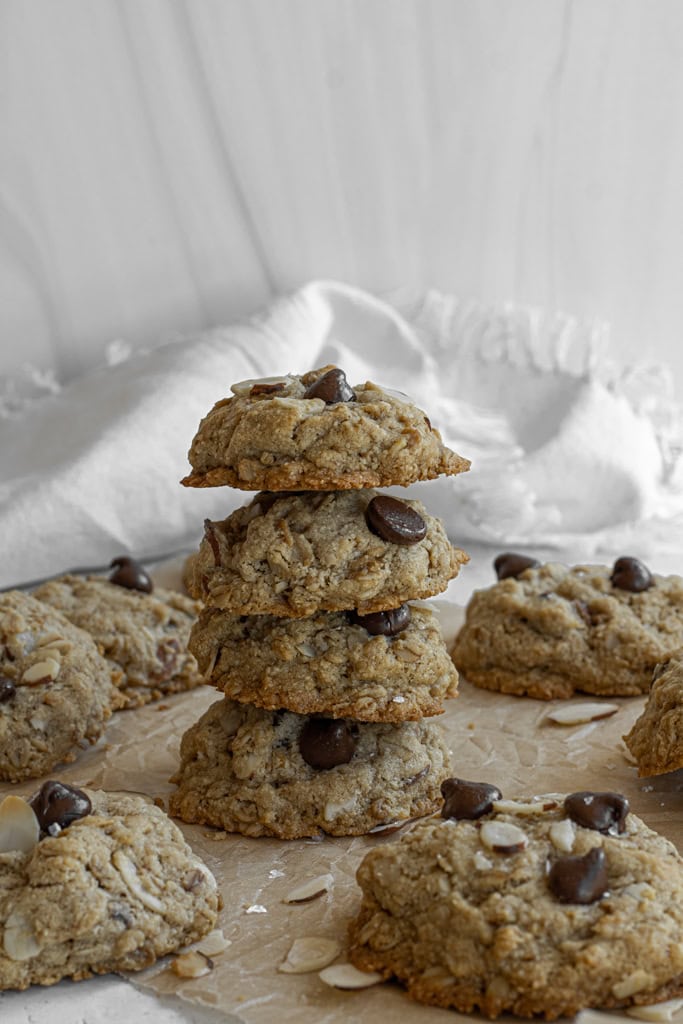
[[579, 879], [387, 623], [510, 564], [327, 742], [7, 689], [394, 521], [630, 574], [266, 389], [332, 387], [58, 804], [130, 574], [471, 800], [599, 811]]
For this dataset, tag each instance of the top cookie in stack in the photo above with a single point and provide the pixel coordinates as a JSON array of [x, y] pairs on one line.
[[306, 592]]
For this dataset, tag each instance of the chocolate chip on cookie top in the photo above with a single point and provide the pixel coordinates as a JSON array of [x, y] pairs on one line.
[[387, 623], [630, 574], [603, 812], [579, 879], [57, 805], [332, 387], [511, 564], [395, 521], [327, 742], [130, 574], [470, 800]]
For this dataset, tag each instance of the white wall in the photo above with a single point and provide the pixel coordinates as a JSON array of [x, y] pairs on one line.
[[168, 164]]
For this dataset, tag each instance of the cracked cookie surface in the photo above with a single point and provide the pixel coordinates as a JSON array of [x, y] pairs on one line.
[[55, 688], [270, 437], [242, 769], [556, 630]]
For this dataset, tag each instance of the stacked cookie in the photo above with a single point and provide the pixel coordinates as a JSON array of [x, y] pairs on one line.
[[329, 674]]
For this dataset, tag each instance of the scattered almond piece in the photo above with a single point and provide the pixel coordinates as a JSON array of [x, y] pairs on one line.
[[562, 835], [310, 890], [579, 714], [503, 837], [656, 1011], [310, 953], [348, 976], [19, 828], [192, 965]]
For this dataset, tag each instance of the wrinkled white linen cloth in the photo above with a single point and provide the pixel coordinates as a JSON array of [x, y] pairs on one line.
[[567, 449]]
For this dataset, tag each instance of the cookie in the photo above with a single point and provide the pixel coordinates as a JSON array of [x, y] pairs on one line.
[[296, 554], [92, 882], [387, 667], [315, 432], [264, 773], [55, 688], [656, 739], [533, 907], [553, 630], [143, 635]]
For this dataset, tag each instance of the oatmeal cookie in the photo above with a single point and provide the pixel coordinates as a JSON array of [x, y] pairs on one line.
[[656, 739]]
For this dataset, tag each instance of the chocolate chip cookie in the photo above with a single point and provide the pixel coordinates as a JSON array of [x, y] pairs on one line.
[[315, 432], [539, 906], [92, 882], [656, 739], [297, 554], [386, 667], [142, 632], [264, 773], [551, 630], [55, 688]]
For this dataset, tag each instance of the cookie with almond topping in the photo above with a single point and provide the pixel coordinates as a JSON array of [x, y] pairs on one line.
[[536, 907], [93, 882], [143, 633], [316, 432], [548, 630], [56, 689]]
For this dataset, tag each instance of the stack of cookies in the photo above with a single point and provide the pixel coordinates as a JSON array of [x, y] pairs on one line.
[[330, 676]]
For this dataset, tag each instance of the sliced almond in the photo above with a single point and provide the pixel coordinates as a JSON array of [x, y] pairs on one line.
[[18, 940], [636, 981], [45, 671], [243, 387], [310, 953], [481, 861], [562, 835], [310, 890], [128, 872], [192, 965], [596, 1017], [212, 944], [656, 1011], [579, 714], [503, 837], [523, 809], [348, 976], [19, 828]]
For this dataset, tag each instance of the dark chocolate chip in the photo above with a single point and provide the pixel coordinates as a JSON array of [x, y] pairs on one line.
[[266, 389], [58, 804], [130, 574], [327, 742], [630, 574], [332, 387], [7, 689], [579, 879], [387, 623], [584, 612], [471, 800], [394, 521], [511, 564], [602, 812]]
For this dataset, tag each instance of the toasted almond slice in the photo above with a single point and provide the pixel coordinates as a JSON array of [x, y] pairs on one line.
[[213, 944], [192, 965], [503, 837], [523, 809], [562, 835], [348, 976], [243, 387], [656, 1011], [19, 828], [310, 890], [310, 953], [579, 714]]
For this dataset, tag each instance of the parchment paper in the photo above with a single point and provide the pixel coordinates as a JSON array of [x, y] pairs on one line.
[[494, 738]]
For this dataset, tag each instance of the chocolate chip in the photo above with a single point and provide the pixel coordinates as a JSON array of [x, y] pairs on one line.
[[58, 804], [630, 574], [130, 574], [387, 623], [266, 389], [332, 387], [394, 521], [7, 689], [471, 800], [584, 612], [579, 879], [510, 564], [327, 742], [600, 811]]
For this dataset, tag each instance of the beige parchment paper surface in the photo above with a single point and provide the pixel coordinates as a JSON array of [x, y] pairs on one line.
[[495, 738]]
